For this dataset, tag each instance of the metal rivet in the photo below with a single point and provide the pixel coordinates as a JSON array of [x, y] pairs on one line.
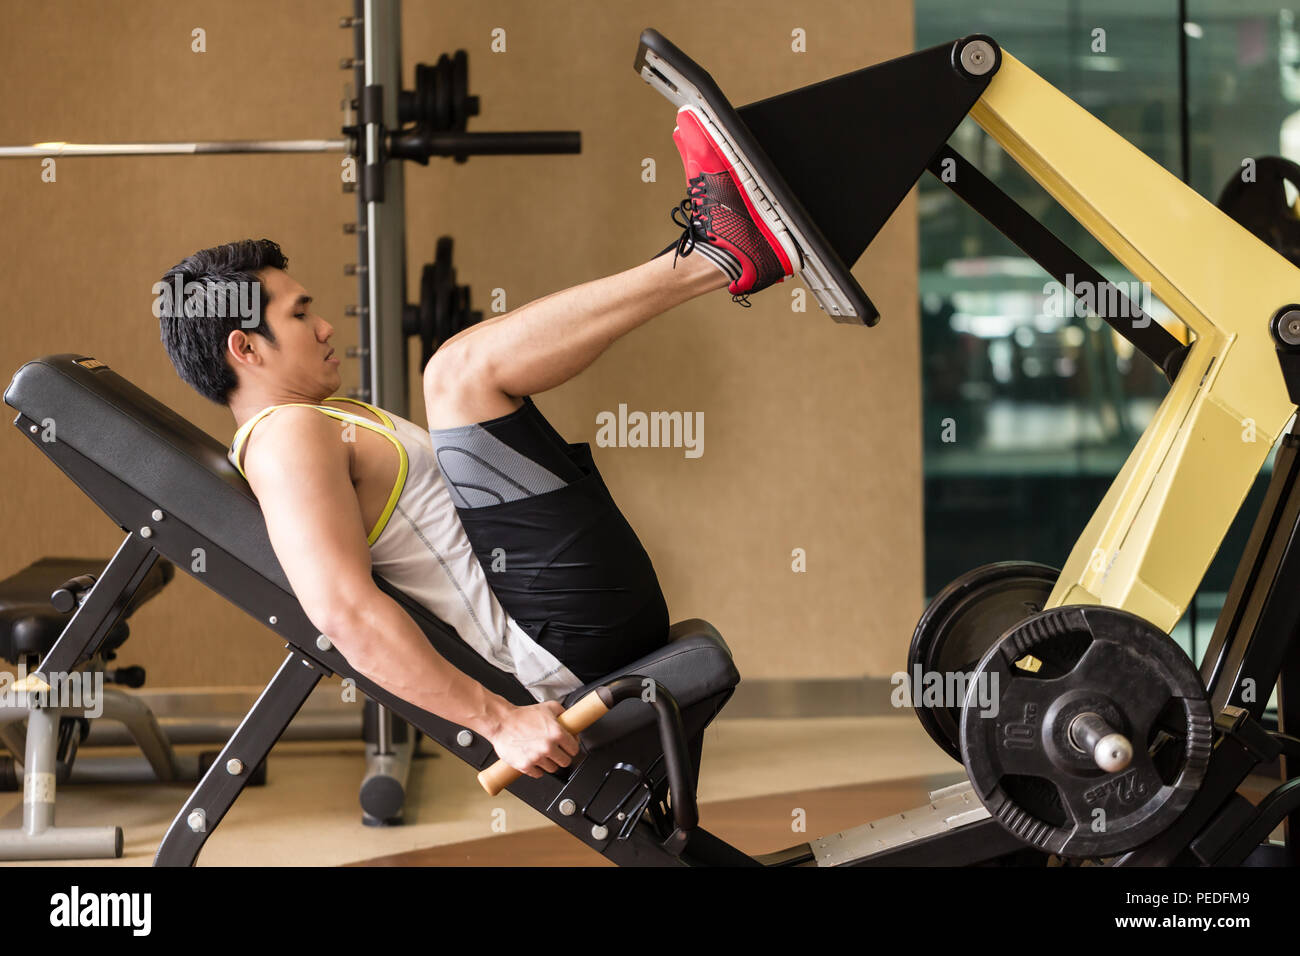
[[464, 738], [33, 429], [568, 807], [1288, 327], [622, 815], [598, 832], [977, 57], [146, 532], [323, 642], [234, 766], [273, 619], [157, 515], [197, 820]]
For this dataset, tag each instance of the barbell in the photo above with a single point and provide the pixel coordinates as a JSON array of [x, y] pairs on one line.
[[433, 118]]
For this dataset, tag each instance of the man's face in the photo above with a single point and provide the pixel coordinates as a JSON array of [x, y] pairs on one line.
[[300, 361]]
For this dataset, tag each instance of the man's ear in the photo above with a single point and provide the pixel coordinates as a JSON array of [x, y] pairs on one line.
[[241, 350]]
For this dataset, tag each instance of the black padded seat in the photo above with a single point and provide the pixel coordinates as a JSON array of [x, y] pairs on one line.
[[29, 624], [180, 469], [696, 666]]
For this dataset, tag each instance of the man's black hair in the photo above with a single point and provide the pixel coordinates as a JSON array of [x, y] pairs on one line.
[[196, 344]]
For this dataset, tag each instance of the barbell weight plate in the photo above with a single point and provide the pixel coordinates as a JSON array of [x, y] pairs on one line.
[[443, 117], [462, 316], [428, 297], [1015, 725], [444, 294], [958, 627], [424, 92], [459, 90], [443, 309]]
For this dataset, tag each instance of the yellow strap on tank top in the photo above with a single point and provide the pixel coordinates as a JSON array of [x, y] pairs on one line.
[[241, 438], [383, 415]]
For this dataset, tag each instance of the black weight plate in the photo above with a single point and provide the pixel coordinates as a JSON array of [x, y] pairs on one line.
[[428, 296], [443, 116], [958, 627], [1015, 743], [462, 317], [444, 292], [424, 94], [459, 90]]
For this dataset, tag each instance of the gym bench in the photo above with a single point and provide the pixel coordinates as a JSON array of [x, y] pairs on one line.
[[170, 486], [43, 753]]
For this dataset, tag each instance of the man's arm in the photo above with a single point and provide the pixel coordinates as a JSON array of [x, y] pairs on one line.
[[298, 466]]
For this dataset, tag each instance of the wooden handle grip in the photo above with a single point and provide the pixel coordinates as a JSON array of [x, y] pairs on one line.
[[575, 720]]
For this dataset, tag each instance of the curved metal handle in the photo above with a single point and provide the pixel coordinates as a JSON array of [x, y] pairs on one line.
[[599, 702]]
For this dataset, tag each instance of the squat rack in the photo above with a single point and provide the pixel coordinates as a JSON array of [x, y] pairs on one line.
[[383, 123]]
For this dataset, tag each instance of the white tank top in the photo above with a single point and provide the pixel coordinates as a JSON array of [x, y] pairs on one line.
[[419, 546]]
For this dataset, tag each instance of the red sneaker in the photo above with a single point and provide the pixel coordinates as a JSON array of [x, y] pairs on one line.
[[720, 220]]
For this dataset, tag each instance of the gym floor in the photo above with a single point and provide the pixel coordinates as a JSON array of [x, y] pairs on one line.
[[757, 774]]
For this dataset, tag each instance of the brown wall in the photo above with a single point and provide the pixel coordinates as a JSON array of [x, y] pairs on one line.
[[811, 435]]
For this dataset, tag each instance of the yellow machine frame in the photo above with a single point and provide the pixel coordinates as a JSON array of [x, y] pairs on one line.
[[1151, 539]]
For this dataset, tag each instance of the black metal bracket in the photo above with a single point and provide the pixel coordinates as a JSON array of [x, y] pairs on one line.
[[1283, 801], [851, 147], [631, 809], [371, 112], [102, 606]]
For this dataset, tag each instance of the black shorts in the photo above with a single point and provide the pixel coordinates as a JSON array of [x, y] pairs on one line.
[[565, 563]]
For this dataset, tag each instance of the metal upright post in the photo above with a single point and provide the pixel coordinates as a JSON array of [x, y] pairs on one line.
[[383, 193], [381, 210]]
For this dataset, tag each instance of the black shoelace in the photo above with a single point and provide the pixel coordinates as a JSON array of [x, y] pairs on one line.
[[694, 223]]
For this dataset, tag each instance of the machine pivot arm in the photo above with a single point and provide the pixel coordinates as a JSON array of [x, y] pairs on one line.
[[1059, 261]]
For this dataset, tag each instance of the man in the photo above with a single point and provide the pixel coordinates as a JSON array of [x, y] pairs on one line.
[[490, 519]]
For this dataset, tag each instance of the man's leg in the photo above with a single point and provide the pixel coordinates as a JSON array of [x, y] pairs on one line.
[[480, 372], [559, 555]]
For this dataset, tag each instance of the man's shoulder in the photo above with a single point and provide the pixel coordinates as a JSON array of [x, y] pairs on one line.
[[294, 433]]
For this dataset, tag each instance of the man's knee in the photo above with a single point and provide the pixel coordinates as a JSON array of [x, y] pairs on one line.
[[451, 371], [460, 388]]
